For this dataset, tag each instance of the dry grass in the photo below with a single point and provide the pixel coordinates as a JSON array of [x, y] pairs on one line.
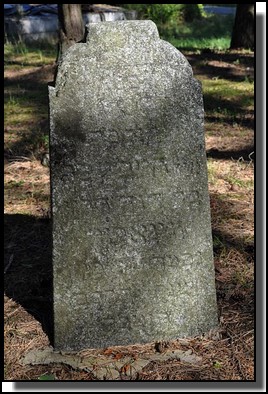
[[27, 188], [227, 354]]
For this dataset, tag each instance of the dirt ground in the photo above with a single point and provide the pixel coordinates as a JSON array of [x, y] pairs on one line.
[[224, 354]]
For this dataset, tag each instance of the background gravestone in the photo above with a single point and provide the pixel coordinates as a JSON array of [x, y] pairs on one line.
[[132, 245]]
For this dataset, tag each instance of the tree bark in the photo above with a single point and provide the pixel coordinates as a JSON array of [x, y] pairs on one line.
[[243, 31], [71, 26]]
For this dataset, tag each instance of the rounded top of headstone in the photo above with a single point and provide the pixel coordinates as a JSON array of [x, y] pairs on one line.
[[124, 48], [121, 33]]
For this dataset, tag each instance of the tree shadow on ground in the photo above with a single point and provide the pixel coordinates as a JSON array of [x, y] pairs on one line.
[[246, 154], [235, 67], [28, 277], [224, 211], [229, 111], [230, 106], [35, 81], [234, 253], [246, 121], [32, 143], [29, 94]]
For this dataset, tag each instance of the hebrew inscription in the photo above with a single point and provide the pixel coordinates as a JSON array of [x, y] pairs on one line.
[[132, 245]]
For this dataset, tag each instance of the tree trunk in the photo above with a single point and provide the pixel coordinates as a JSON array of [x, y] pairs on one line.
[[71, 26], [243, 31]]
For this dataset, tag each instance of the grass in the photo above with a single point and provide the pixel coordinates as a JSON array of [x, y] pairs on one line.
[[229, 354], [197, 44], [230, 172], [212, 171], [17, 55], [211, 32], [222, 98], [222, 88], [26, 98], [247, 184]]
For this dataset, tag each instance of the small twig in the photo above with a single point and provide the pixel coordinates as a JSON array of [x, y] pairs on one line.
[[12, 313], [9, 263], [252, 153], [19, 158], [247, 333]]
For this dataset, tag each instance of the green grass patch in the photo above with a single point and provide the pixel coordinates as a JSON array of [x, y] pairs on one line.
[[22, 55], [212, 171], [243, 278], [213, 32], [23, 117], [12, 184], [226, 89], [25, 112], [246, 184], [197, 44], [46, 377], [17, 114], [188, 26], [217, 364], [224, 97]]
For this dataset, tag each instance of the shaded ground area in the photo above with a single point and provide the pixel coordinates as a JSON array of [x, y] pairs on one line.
[[29, 266], [231, 65], [225, 354]]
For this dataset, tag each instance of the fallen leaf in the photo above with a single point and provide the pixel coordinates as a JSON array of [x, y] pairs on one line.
[[118, 356], [125, 368]]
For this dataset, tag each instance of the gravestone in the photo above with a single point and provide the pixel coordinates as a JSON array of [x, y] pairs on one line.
[[132, 245]]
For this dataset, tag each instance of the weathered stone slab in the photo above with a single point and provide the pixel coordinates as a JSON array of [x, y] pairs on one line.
[[132, 245]]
